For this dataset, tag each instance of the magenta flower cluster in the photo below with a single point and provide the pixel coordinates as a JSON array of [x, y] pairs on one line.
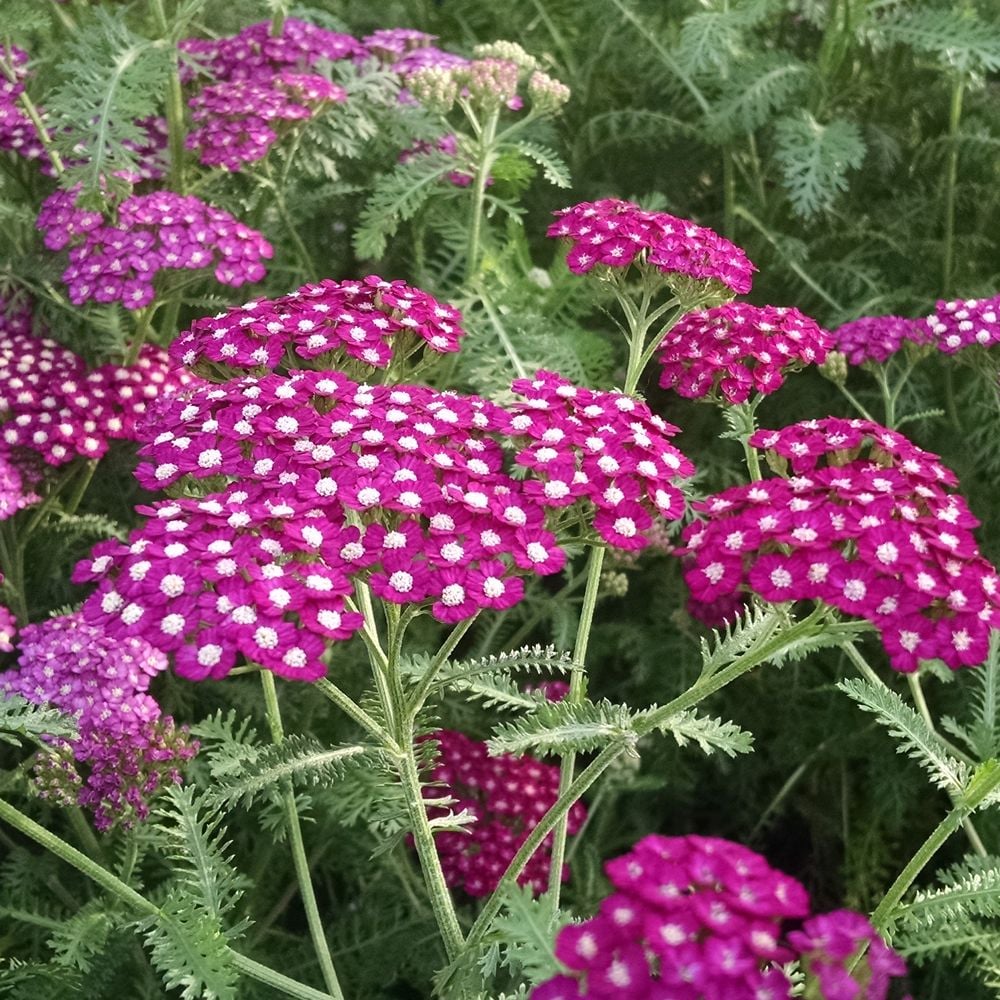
[[863, 523], [615, 233], [827, 945], [127, 748], [402, 483], [17, 132], [507, 796], [118, 261], [52, 405], [371, 321], [877, 338], [699, 918], [734, 349], [602, 450], [236, 119], [407, 51], [963, 322]]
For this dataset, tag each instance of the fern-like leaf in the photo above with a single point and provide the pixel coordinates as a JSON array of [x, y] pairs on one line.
[[956, 37], [112, 80], [915, 737], [754, 626], [755, 91], [19, 718], [524, 931], [83, 936], [554, 169], [710, 734], [815, 158], [300, 759], [564, 727]]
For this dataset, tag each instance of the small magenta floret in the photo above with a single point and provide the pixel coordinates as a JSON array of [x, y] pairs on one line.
[[734, 349], [615, 233], [960, 323]]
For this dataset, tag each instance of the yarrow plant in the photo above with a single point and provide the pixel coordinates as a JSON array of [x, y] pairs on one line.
[[700, 918]]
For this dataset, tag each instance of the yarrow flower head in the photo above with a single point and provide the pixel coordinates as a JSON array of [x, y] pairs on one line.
[[603, 450], [128, 749], [693, 918], [118, 261], [865, 523], [615, 234], [507, 796], [961, 323], [17, 132], [237, 121], [53, 406], [327, 325], [878, 338], [734, 349], [327, 480]]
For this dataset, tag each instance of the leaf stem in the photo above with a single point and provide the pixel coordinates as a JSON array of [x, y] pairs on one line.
[[350, 707], [299, 858], [486, 154]]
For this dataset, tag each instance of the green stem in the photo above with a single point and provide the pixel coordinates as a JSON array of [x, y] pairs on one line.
[[350, 707], [299, 859], [748, 416], [577, 692], [850, 397], [28, 106], [728, 193], [419, 696], [485, 158], [950, 184], [176, 129], [270, 977], [142, 330], [85, 833], [81, 486]]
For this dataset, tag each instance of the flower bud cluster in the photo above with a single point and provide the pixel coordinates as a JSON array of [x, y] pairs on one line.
[[962, 322], [118, 261], [52, 405], [877, 338], [371, 321], [700, 918], [547, 94], [602, 450], [128, 749], [733, 349], [507, 796], [236, 119], [615, 233], [863, 523]]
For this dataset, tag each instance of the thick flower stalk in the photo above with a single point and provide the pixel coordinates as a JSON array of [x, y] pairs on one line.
[[118, 261], [506, 796], [616, 234], [864, 522], [354, 325], [700, 918], [127, 748], [731, 350]]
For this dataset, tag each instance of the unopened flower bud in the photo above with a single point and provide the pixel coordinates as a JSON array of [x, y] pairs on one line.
[[546, 93], [491, 83], [435, 88], [614, 583], [835, 367], [508, 51]]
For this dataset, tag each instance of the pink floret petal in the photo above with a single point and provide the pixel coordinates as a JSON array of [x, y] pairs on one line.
[[732, 350], [615, 234], [863, 522]]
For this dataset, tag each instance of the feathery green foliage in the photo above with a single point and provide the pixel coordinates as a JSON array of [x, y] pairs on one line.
[[20, 719]]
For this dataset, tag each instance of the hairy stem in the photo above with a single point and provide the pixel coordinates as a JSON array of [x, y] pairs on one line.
[[299, 859], [176, 129], [486, 155], [351, 708]]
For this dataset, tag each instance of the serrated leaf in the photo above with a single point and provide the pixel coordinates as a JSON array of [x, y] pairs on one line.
[[709, 734], [20, 718], [814, 159], [564, 727], [755, 91], [957, 37], [554, 169], [525, 930]]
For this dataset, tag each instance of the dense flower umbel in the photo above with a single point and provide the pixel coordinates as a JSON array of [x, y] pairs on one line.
[[236, 119], [877, 338], [963, 322], [332, 479], [126, 747], [603, 449], [17, 132], [507, 796], [699, 918], [614, 233], [118, 262], [370, 321], [864, 523], [828, 943], [52, 405], [735, 349]]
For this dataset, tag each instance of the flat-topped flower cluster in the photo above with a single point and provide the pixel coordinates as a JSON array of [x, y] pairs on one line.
[[701, 918], [863, 522], [127, 747], [403, 484], [507, 796]]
